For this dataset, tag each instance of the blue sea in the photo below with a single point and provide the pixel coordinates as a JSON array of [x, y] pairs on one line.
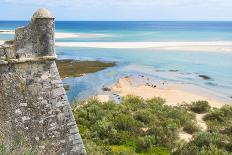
[[157, 64]]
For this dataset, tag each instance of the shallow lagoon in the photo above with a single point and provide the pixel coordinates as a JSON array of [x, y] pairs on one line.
[[178, 66], [186, 66]]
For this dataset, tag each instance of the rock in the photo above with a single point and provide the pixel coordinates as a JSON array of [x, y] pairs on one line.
[[173, 70], [205, 77], [66, 87], [106, 89]]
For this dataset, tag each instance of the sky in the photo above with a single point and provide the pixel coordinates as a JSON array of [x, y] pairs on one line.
[[122, 10]]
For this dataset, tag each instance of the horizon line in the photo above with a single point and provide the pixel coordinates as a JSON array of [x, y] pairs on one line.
[[128, 20]]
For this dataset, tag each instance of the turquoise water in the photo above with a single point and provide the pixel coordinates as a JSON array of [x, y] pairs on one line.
[[156, 64]]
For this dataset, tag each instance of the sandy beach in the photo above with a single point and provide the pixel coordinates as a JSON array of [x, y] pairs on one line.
[[209, 46], [60, 35], [216, 46], [7, 32], [174, 94]]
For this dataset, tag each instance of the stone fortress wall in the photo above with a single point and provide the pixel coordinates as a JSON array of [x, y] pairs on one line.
[[33, 102]]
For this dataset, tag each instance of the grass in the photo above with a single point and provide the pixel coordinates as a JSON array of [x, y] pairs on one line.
[[75, 68]]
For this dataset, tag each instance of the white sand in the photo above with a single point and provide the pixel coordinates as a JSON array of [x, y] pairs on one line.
[[1, 42], [200, 122], [102, 98], [185, 136], [59, 35], [7, 32], [216, 46], [175, 94], [213, 46]]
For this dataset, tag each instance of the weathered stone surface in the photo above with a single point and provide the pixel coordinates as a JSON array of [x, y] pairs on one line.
[[33, 103], [42, 13]]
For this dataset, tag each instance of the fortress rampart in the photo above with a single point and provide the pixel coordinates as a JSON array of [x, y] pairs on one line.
[[33, 102]]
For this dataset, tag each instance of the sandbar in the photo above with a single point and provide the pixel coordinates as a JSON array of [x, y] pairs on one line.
[[215, 46], [175, 94]]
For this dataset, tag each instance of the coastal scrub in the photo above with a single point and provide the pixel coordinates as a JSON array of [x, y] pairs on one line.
[[135, 126], [148, 127]]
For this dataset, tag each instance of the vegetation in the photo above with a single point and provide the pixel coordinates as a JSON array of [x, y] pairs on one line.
[[217, 140], [75, 68], [205, 143], [145, 127], [200, 107], [149, 127], [135, 126]]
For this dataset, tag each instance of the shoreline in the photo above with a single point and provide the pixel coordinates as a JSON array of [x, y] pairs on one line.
[[175, 94], [214, 46], [64, 35], [183, 46]]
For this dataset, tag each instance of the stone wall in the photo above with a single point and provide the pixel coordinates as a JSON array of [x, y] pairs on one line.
[[33, 103]]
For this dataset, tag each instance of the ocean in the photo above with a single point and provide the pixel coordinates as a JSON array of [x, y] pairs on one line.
[[169, 65]]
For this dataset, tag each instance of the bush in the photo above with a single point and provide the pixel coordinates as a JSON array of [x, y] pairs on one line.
[[126, 123], [204, 143], [200, 107], [149, 127], [191, 128], [146, 126], [213, 150], [144, 116], [143, 144], [220, 121]]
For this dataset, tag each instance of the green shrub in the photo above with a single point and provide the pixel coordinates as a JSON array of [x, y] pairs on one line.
[[204, 142], [200, 107], [219, 115], [144, 144], [220, 121], [213, 150], [144, 125], [126, 123], [150, 127], [144, 116], [191, 127]]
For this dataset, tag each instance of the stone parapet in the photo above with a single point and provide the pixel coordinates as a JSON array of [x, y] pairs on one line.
[[33, 102]]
